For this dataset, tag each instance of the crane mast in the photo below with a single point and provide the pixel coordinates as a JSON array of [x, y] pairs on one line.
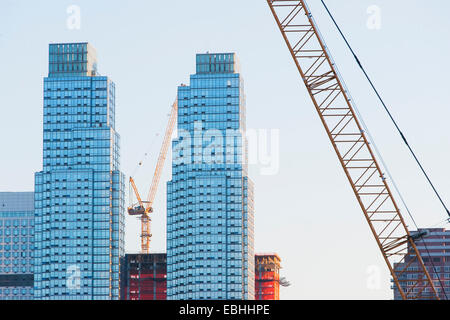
[[144, 208], [337, 113]]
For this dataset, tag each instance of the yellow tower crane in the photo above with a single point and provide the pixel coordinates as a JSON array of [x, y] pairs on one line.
[[349, 139], [144, 208]]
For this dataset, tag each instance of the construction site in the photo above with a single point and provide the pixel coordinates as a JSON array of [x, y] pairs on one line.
[[205, 150]]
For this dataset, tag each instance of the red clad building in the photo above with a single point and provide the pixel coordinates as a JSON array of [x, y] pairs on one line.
[[267, 276], [143, 277]]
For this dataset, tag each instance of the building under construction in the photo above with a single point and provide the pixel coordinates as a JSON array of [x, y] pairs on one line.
[[143, 277], [267, 276]]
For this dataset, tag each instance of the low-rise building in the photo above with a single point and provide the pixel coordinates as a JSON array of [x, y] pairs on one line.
[[16, 245]]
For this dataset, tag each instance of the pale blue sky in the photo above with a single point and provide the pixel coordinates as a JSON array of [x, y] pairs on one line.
[[307, 212]]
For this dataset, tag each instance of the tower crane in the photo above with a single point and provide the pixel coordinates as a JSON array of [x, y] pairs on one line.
[[349, 139], [144, 208]]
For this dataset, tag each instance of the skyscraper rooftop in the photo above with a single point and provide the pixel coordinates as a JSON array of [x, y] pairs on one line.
[[217, 63], [72, 59]]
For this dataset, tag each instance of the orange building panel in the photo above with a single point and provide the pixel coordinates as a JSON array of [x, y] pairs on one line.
[[267, 276]]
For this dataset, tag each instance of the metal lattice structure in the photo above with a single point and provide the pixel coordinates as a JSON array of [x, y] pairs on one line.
[[337, 113], [144, 208]]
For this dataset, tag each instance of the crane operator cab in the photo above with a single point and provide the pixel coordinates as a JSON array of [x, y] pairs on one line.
[[136, 211], [139, 210]]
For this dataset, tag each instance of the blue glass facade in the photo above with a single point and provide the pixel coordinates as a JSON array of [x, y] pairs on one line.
[[433, 248], [16, 245], [79, 194], [210, 197]]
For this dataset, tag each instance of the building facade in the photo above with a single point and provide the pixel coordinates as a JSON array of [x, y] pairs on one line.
[[16, 245], [267, 276], [143, 276], [434, 249], [210, 197], [79, 194]]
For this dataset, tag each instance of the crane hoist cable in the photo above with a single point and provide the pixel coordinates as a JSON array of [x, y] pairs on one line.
[[147, 152], [358, 61]]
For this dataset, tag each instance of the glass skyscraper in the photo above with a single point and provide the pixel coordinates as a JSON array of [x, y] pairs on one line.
[[210, 197], [79, 194], [16, 245]]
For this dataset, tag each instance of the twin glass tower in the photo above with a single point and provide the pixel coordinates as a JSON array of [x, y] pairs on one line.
[[210, 198], [79, 194]]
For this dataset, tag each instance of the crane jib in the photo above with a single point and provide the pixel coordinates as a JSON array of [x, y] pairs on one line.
[[337, 114]]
